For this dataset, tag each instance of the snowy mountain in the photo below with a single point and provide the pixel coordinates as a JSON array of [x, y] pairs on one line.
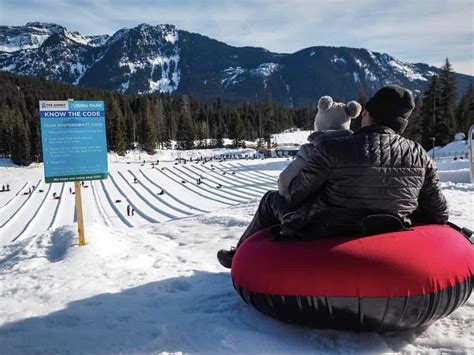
[[147, 59]]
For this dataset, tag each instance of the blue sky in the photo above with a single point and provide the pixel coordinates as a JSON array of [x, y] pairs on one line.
[[415, 31]]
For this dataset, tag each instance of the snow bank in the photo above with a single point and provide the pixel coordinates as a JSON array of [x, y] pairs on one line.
[[160, 289], [287, 138], [171, 154], [451, 150]]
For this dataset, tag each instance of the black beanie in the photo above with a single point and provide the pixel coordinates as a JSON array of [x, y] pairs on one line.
[[391, 106]]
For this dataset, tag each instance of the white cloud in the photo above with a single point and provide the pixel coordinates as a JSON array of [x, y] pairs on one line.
[[422, 31]]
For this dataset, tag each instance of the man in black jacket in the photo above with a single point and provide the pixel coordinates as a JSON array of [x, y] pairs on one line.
[[344, 178]]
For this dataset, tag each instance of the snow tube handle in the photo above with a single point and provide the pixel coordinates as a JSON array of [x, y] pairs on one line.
[[463, 230]]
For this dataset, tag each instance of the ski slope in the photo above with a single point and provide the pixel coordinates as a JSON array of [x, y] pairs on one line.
[[150, 283]]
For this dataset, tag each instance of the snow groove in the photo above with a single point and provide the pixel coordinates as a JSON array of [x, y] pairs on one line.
[[14, 197], [131, 203], [114, 207], [186, 186], [147, 202], [21, 206], [168, 194]]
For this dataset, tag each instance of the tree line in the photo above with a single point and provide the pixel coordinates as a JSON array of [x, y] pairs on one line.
[[149, 121], [153, 121], [439, 114]]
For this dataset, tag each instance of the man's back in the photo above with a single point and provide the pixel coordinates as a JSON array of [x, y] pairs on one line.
[[373, 171]]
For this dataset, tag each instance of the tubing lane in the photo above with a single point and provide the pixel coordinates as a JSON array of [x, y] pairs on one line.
[[169, 195], [21, 205], [242, 181], [44, 219], [257, 171], [224, 194], [14, 196], [131, 203], [34, 215], [193, 190], [99, 205], [229, 187], [252, 177], [159, 198], [115, 208], [148, 202], [60, 210], [255, 174], [43, 223]]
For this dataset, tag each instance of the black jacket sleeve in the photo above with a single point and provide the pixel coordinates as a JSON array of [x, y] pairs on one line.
[[291, 171], [432, 204], [309, 179]]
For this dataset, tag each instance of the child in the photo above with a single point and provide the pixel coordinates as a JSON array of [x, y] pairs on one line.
[[334, 119]]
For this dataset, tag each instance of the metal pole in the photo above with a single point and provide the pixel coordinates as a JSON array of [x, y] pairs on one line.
[[471, 152], [433, 139]]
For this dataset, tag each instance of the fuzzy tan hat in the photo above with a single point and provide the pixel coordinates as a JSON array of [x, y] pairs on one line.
[[335, 115]]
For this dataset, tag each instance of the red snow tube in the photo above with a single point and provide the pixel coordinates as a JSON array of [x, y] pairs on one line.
[[391, 281]]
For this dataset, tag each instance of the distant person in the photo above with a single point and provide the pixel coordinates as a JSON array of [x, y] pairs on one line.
[[132, 211], [345, 178], [8, 187], [3, 188], [135, 180], [128, 210], [70, 191]]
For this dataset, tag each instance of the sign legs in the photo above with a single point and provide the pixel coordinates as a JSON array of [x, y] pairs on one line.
[[80, 216]]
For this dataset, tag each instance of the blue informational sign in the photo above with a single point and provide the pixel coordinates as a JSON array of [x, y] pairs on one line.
[[74, 141]]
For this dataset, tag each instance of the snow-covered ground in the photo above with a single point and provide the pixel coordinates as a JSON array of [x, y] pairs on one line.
[[291, 137], [150, 283]]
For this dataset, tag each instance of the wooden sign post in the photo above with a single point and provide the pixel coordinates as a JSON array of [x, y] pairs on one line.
[[74, 146], [80, 216]]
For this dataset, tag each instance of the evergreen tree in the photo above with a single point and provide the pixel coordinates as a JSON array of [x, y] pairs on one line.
[[185, 132], [414, 130], [445, 124], [236, 131], [21, 152], [150, 135], [430, 111], [119, 135], [465, 111]]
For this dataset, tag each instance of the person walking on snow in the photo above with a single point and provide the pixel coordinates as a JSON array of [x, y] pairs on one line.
[[340, 178], [128, 210]]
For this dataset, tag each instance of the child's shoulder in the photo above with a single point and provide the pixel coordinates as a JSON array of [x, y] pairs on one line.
[[317, 137]]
